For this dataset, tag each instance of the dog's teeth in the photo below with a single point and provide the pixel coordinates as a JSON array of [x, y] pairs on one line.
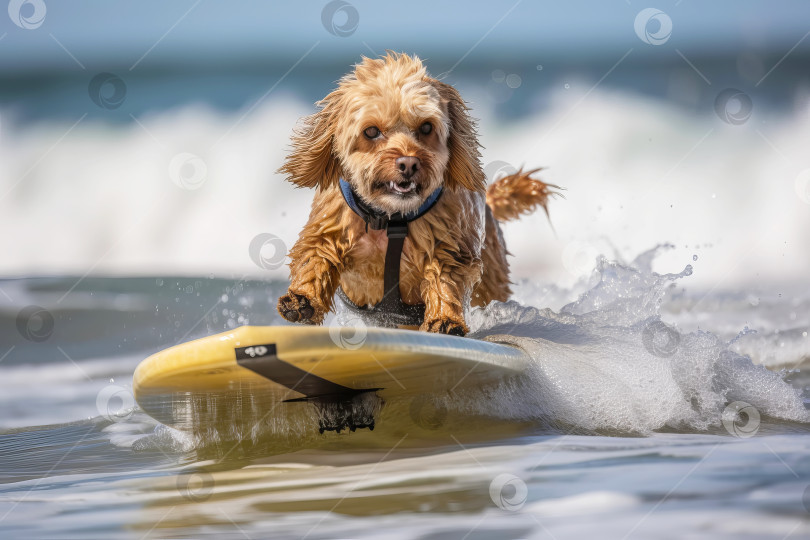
[[395, 186]]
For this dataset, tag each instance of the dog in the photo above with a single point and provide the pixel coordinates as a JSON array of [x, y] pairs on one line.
[[391, 138]]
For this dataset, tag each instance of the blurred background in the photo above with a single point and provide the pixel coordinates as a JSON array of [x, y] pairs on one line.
[[143, 138]]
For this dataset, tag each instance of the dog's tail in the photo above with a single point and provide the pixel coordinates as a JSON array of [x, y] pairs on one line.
[[519, 194]]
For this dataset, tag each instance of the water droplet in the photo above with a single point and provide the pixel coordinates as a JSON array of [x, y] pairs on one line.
[[498, 76], [804, 334], [714, 195], [567, 86], [112, 380], [223, 298], [694, 257], [539, 67], [159, 282]]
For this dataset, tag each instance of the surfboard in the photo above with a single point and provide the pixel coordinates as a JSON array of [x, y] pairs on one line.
[[346, 373]]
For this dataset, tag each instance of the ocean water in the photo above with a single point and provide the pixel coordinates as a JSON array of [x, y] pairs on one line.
[[665, 305], [647, 412], [188, 190]]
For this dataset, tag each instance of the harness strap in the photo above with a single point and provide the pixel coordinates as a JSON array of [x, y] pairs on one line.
[[391, 310], [397, 232]]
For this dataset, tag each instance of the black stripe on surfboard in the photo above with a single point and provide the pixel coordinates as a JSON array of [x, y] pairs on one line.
[[264, 360]]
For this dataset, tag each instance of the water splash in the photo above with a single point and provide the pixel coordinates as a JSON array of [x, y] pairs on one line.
[[608, 363], [612, 361]]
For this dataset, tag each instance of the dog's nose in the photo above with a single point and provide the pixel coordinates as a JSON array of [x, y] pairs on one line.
[[407, 165]]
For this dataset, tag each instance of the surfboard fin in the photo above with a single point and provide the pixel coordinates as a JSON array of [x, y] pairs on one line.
[[339, 412]]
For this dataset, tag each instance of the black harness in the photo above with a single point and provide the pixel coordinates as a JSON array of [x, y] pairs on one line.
[[391, 311]]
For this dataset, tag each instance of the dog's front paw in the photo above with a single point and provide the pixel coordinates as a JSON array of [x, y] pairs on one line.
[[445, 325], [298, 308]]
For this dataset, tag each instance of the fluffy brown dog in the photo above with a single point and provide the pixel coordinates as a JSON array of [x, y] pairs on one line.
[[397, 135]]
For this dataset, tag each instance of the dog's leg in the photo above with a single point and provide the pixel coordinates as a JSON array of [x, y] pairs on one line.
[[313, 284], [494, 284], [446, 286]]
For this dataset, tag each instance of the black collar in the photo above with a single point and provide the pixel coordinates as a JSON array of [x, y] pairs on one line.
[[378, 220]]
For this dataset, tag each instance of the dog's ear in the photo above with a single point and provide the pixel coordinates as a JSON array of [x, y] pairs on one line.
[[312, 162], [464, 165]]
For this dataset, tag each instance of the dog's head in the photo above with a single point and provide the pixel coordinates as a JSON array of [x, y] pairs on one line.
[[393, 132]]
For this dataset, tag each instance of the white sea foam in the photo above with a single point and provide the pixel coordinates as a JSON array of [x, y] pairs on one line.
[[607, 362], [637, 172]]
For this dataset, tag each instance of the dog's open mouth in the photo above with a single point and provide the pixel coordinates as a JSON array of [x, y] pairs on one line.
[[402, 188]]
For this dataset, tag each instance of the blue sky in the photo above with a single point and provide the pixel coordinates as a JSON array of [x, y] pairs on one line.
[[210, 33]]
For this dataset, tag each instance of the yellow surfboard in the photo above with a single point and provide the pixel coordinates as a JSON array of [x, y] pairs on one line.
[[345, 372]]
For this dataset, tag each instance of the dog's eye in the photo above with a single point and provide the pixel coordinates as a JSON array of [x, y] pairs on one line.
[[426, 128], [372, 132]]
